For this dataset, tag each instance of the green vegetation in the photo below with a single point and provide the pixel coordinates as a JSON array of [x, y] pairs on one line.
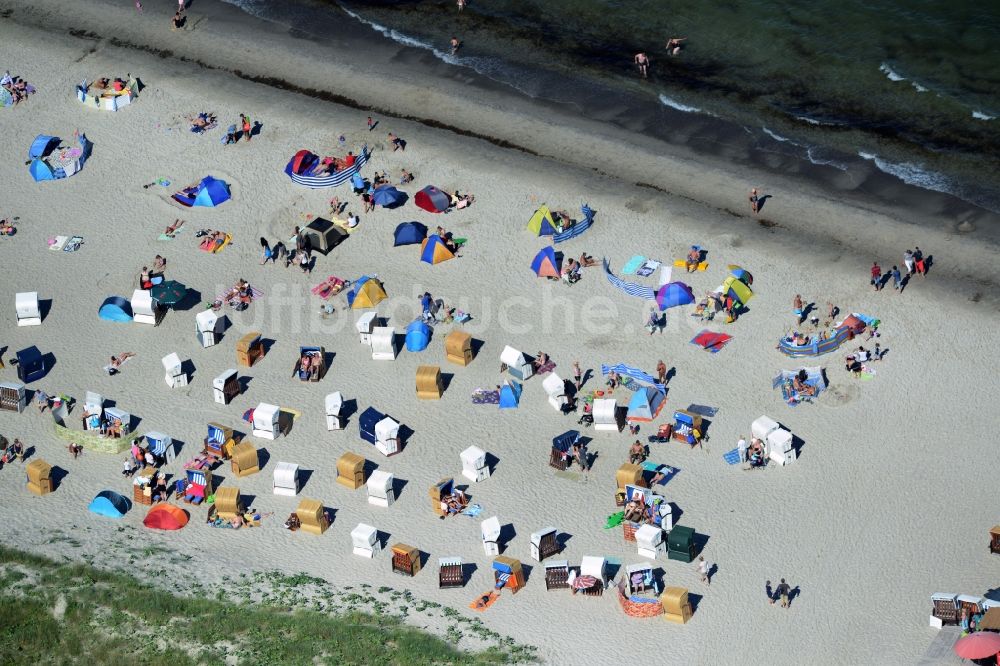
[[74, 613]]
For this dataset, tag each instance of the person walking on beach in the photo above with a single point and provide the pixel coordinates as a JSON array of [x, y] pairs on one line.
[[245, 123], [661, 372], [908, 261], [754, 200], [642, 62], [461, 5], [896, 278], [741, 448], [138, 6], [577, 375], [797, 308], [455, 45], [396, 142], [783, 591], [876, 276], [704, 568], [266, 253], [769, 592], [918, 260]]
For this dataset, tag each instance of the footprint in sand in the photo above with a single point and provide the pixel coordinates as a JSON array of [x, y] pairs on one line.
[[641, 206], [840, 395]]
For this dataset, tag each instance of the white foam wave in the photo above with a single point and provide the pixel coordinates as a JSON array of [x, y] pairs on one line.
[[811, 155], [402, 38], [910, 173], [674, 104], [919, 87], [979, 115], [777, 137], [890, 74]]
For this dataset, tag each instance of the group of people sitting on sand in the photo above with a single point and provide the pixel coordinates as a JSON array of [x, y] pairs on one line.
[[105, 84], [332, 164], [238, 297], [855, 362], [7, 227], [11, 451], [211, 239], [249, 518], [203, 122], [18, 88], [453, 503]]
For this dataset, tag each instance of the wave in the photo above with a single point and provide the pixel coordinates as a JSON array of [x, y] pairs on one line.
[[979, 115], [821, 161], [252, 7], [894, 76], [674, 104], [401, 38], [911, 173], [778, 137]]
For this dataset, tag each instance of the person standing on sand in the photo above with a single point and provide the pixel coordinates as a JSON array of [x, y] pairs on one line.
[[876, 276], [247, 128], [703, 570], [754, 200], [138, 6], [769, 592], [908, 261], [396, 142], [741, 448], [577, 375], [371, 124], [455, 45], [642, 62], [918, 260], [896, 277], [661, 372], [783, 591], [461, 5]]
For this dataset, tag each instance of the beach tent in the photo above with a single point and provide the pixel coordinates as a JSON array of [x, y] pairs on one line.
[[115, 308], [710, 340], [68, 163], [546, 263], [741, 274], [737, 289], [673, 294], [418, 336], [432, 200], [367, 292], [645, 405], [542, 223], [434, 251], [165, 517], [210, 193], [303, 162], [510, 395], [575, 230], [109, 504], [388, 196], [409, 233]]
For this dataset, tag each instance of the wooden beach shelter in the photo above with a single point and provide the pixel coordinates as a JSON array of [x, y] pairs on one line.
[[629, 475], [228, 502], [995, 539], [405, 559], [458, 348], [676, 607], [351, 470], [430, 386], [507, 573], [245, 460], [249, 349], [219, 442], [450, 572], [312, 516], [40, 477]]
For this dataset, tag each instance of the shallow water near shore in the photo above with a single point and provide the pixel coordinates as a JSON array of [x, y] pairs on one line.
[[820, 89]]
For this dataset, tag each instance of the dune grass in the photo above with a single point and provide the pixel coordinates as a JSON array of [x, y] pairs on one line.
[[74, 613]]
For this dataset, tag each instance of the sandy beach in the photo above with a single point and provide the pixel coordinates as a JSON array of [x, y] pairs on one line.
[[881, 510]]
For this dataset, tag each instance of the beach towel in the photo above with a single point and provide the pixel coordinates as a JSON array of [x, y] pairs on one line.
[[209, 245], [255, 294], [485, 397], [329, 287], [57, 243], [472, 511], [484, 601], [732, 457], [165, 237], [548, 366], [667, 471], [682, 263], [633, 265], [342, 224], [614, 520], [647, 268]]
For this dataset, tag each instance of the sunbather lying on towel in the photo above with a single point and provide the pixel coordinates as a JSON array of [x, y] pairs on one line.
[[800, 386], [7, 228], [117, 362]]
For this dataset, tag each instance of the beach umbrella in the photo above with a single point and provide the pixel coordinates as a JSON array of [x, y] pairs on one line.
[[740, 274], [979, 645], [388, 196], [169, 292], [673, 294]]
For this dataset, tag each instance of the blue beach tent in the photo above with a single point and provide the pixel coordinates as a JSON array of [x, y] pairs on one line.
[[409, 233], [209, 193], [109, 504], [510, 395], [115, 308], [418, 336]]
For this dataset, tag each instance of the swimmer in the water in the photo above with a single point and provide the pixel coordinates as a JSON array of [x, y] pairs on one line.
[[642, 62], [675, 44]]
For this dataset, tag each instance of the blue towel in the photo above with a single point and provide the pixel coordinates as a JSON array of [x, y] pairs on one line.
[[472, 510], [633, 264], [732, 457]]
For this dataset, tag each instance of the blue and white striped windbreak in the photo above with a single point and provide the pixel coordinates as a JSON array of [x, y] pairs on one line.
[[157, 442], [630, 288], [634, 373], [332, 179], [578, 228]]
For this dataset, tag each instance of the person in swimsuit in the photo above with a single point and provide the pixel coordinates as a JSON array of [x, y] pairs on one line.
[[674, 45], [642, 62]]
